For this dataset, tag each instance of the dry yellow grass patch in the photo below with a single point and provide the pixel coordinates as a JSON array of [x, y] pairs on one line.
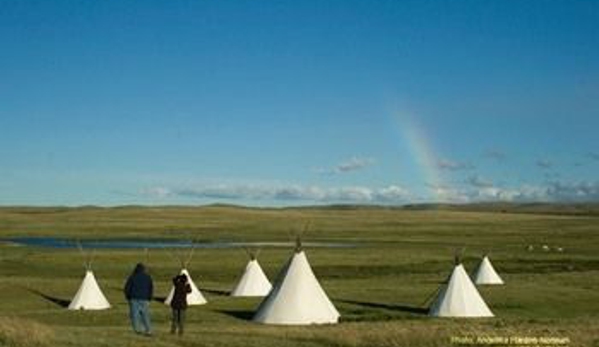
[[19, 332]]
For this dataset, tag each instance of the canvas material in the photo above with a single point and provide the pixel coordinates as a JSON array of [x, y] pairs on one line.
[[297, 297], [253, 281], [195, 297], [459, 298], [89, 296]]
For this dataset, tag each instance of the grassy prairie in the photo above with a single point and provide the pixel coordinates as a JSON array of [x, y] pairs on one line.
[[380, 286]]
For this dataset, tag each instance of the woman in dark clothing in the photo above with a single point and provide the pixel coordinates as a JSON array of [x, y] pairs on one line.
[[179, 303]]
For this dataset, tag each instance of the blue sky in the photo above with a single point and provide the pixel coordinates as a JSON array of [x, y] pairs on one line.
[[298, 102]]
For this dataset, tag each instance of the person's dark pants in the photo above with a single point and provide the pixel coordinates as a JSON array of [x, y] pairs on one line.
[[139, 312], [178, 320]]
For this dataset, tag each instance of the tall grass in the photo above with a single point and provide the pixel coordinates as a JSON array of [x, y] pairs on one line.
[[19, 332], [399, 260]]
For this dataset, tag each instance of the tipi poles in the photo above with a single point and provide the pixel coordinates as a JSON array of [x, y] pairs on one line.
[[190, 255], [176, 258], [252, 253], [88, 257]]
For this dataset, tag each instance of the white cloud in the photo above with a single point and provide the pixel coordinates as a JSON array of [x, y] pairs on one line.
[[495, 154], [544, 163], [451, 165], [557, 191], [157, 192], [593, 156], [474, 190], [391, 193], [445, 193], [350, 165], [295, 192], [582, 191], [479, 182], [348, 194]]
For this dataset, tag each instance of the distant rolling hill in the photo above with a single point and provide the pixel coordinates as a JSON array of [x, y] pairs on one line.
[[590, 209], [578, 209]]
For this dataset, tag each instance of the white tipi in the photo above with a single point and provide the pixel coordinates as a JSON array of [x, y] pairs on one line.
[[194, 297], [485, 274], [253, 281], [89, 296], [296, 297], [459, 298]]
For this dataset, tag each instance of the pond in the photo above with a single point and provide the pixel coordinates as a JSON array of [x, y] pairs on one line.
[[56, 242]]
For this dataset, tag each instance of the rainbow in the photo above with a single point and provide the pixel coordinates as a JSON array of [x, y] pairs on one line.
[[421, 151]]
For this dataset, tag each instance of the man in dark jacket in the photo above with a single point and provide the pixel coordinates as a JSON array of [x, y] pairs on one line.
[[138, 291]]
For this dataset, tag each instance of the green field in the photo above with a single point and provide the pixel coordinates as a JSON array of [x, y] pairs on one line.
[[380, 286]]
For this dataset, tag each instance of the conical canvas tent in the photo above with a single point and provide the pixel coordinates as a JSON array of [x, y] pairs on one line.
[[195, 297], [485, 274], [253, 281], [89, 296], [459, 298], [296, 297]]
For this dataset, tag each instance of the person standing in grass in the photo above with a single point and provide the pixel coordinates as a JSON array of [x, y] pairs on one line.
[[138, 291], [179, 303]]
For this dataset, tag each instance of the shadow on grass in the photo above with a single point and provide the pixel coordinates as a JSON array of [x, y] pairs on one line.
[[242, 315], [58, 301], [215, 291], [115, 289], [390, 307], [159, 299]]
